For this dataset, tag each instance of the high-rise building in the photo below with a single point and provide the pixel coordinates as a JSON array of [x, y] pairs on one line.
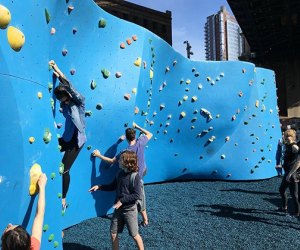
[[223, 37]]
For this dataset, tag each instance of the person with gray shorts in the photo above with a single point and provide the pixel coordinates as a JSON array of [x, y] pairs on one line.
[[125, 206]]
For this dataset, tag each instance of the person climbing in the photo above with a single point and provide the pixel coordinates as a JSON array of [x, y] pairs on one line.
[[15, 237], [125, 206], [138, 146], [289, 179], [72, 104]]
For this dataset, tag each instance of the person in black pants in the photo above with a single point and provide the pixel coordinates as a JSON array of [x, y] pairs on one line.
[[290, 179], [72, 106]]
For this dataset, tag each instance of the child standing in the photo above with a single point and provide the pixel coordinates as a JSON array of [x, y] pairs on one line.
[[126, 212]]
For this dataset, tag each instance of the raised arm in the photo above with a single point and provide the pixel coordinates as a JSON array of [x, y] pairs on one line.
[[38, 221], [75, 95], [96, 153], [146, 132]]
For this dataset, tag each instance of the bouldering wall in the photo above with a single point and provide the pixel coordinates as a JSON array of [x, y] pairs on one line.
[[210, 120]]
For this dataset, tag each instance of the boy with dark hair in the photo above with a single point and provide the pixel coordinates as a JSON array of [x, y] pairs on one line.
[[137, 146], [125, 212], [15, 237]]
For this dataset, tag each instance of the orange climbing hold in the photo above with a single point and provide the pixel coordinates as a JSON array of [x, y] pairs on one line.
[[128, 41], [134, 37], [122, 46]]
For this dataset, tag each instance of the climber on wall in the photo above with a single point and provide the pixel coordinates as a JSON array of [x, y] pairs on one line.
[[137, 146], [72, 104]]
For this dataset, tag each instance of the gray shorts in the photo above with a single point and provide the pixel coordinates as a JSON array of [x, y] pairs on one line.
[[125, 216]]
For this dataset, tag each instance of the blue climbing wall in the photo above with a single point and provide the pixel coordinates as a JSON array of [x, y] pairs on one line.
[[210, 120]]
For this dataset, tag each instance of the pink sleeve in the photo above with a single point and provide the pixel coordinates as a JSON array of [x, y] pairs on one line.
[[35, 244]]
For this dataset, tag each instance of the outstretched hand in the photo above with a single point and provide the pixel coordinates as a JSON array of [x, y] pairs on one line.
[[96, 153], [94, 188], [42, 181]]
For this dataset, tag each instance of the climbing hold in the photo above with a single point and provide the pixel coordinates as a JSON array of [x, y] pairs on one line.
[[197, 74], [162, 106], [151, 123], [222, 74], [185, 97], [228, 175], [105, 73], [211, 139], [236, 144], [89, 147], [93, 84], [210, 128], [192, 127], [59, 125], [5, 17], [47, 16], [51, 237], [212, 83], [167, 124], [52, 31], [118, 74], [194, 119], [206, 114], [171, 140], [47, 136], [52, 103], [45, 227], [251, 171], [200, 86], [31, 139], [182, 114], [122, 46], [188, 81], [223, 156], [64, 52], [52, 175], [127, 97], [138, 62], [174, 62], [218, 116], [193, 69], [165, 132], [50, 86], [144, 113], [201, 157], [128, 41], [61, 168], [167, 70], [72, 71], [195, 111], [181, 81], [134, 90], [208, 78], [151, 74], [154, 113], [35, 172], [233, 117], [88, 113], [218, 79], [145, 64], [176, 154], [16, 38], [227, 138], [102, 23], [134, 37], [240, 94], [243, 70], [194, 98], [187, 89], [70, 9], [245, 123], [55, 244], [99, 106]]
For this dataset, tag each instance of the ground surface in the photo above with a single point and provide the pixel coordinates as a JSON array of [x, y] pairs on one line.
[[202, 215]]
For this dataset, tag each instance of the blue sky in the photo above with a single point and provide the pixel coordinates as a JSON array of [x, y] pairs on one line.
[[188, 20]]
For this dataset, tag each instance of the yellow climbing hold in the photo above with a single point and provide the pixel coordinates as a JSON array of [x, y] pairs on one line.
[[40, 95], [31, 139], [257, 103], [16, 38], [151, 74], [4, 17], [134, 90], [138, 62], [35, 172]]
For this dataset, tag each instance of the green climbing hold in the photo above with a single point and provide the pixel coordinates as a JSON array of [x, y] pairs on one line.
[[88, 113], [59, 195], [50, 86], [61, 168], [47, 136], [89, 147], [45, 227], [55, 244], [105, 73], [99, 106], [51, 237], [102, 23], [52, 176], [47, 15]]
